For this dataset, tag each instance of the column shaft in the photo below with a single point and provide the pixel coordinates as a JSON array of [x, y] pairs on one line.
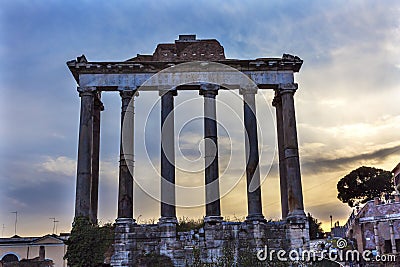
[[291, 153], [392, 238], [168, 210], [84, 168], [125, 193], [254, 203], [376, 238], [94, 192], [213, 210], [281, 152]]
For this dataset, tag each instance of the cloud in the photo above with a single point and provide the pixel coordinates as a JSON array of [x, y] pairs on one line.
[[18, 204], [319, 165], [60, 165], [326, 148], [64, 166]]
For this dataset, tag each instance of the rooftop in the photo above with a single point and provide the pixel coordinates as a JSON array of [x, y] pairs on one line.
[[32, 240]]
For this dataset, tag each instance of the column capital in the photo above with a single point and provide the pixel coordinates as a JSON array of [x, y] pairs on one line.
[[244, 91], [127, 93], [86, 90], [209, 89], [287, 88]]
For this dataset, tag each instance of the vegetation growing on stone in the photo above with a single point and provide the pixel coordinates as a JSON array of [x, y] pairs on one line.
[[88, 243], [315, 228], [186, 224]]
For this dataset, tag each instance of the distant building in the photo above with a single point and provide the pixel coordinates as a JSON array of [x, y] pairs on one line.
[[376, 226], [50, 247], [338, 231], [396, 177]]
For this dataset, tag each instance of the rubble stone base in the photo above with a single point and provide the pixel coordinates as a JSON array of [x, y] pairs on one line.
[[213, 242]]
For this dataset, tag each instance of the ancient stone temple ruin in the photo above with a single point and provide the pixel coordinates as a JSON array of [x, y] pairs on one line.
[[206, 70]]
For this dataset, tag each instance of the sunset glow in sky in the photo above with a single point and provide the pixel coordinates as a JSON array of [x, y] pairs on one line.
[[347, 104]]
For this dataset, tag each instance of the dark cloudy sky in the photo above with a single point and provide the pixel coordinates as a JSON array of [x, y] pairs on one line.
[[347, 104]]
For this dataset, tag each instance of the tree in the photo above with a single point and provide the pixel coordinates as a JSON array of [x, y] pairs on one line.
[[314, 227], [88, 243], [364, 184]]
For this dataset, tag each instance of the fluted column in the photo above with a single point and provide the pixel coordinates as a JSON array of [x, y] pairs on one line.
[[168, 209], [213, 209], [125, 193], [94, 190], [291, 153], [84, 168], [277, 103], [254, 203]]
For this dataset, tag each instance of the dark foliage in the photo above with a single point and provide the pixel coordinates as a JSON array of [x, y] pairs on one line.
[[316, 231], [186, 224], [363, 184], [88, 243]]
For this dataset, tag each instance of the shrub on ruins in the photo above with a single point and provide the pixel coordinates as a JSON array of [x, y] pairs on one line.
[[88, 243], [186, 224], [364, 184], [315, 228]]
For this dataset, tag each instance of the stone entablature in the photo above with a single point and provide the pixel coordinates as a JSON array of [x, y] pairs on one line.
[[288, 64], [186, 49], [266, 73], [82, 65]]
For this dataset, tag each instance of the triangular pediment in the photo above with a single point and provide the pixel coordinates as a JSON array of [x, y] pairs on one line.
[[48, 239]]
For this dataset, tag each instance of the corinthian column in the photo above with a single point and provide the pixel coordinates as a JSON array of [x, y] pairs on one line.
[[213, 209], [254, 205], [84, 168]]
